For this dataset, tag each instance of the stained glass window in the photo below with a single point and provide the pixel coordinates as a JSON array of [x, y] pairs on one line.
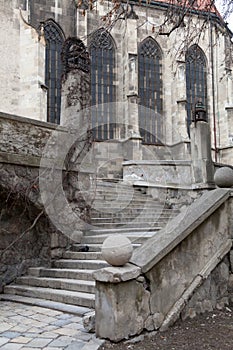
[[103, 85], [196, 85], [53, 69], [150, 91]]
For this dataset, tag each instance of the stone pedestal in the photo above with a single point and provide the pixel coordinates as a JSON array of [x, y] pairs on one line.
[[202, 165], [120, 298]]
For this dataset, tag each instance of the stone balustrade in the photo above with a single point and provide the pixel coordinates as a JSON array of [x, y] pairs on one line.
[[184, 269]]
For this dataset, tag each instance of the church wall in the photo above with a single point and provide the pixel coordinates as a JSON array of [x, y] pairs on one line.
[[33, 94], [9, 40], [21, 65], [62, 11], [174, 115]]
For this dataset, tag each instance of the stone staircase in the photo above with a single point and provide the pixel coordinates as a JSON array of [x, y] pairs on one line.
[[68, 284]]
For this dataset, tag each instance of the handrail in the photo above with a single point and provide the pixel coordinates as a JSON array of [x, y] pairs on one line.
[[159, 245]]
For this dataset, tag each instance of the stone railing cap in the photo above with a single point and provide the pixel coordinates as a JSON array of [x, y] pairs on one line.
[[113, 274]]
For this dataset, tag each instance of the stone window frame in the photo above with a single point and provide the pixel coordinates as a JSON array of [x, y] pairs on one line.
[[150, 90], [102, 49], [54, 39]]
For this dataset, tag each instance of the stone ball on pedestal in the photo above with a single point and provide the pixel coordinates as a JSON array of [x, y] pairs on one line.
[[117, 250], [223, 177]]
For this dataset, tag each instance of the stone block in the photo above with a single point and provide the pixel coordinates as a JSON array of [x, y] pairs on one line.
[[222, 303], [89, 322], [189, 312], [117, 305], [117, 274], [157, 320], [149, 324]]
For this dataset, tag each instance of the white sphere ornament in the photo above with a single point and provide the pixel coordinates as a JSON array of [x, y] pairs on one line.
[[117, 250], [223, 177]]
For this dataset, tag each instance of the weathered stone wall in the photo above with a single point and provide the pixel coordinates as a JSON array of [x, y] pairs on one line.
[[22, 143], [183, 270], [23, 136], [62, 11], [215, 292], [27, 236], [21, 246], [18, 251], [22, 64]]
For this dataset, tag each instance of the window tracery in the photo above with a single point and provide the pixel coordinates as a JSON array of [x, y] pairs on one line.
[[150, 91], [54, 38], [103, 85]]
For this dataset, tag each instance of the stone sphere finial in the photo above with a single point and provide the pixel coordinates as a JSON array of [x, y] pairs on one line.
[[117, 250], [223, 177]]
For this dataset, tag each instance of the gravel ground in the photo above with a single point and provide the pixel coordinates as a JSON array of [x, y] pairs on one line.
[[209, 331]]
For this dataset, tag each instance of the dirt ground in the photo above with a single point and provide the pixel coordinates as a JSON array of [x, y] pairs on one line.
[[209, 331]]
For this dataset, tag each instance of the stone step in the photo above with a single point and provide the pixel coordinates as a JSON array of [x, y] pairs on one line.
[[106, 199], [113, 189], [93, 247], [147, 210], [138, 216], [61, 296], [134, 238], [80, 264], [82, 255], [48, 304], [100, 193], [128, 215], [116, 209], [119, 204], [61, 273], [122, 230], [58, 283], [129, 212], [130, 224], [112, 185]]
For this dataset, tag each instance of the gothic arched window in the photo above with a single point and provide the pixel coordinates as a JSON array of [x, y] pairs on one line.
[[54, 38], [103, 85], [196, 84], [150, 91]]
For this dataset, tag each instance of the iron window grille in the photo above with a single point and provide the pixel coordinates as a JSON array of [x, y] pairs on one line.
[[103, 85], [54, 38], [150, 91]]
